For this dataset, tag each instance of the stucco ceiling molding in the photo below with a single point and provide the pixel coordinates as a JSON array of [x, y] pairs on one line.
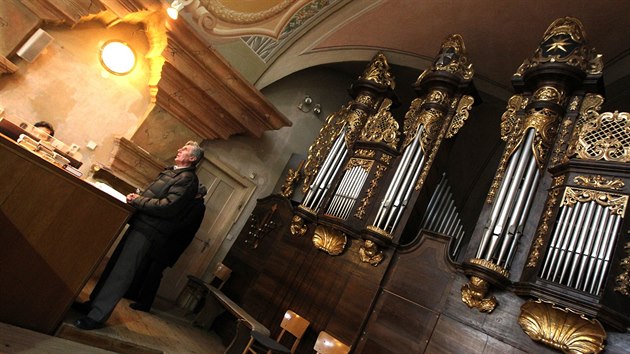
[[69, 12], [208, 95], [6, 66], [217, 19]]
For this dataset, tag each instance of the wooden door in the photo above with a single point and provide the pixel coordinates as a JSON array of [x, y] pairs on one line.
[[228, 192]]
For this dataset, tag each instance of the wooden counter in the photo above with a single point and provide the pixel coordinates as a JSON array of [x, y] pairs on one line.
[[54, 231]]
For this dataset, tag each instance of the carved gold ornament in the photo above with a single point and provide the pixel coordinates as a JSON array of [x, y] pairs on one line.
[[320, 148], [606, 137], [463, 108], [509, 119], [549, 94], [289, 183], [386, 159], [365, 99], [365, 202], [544, 123], [329, 240], [297, 226], [473, 295], [565, 42], [490, 266], [591, 105], [575, 102], [379, 72], [369, 253], [599, 182], [355, 120], [412, 122], [623, 279], [559, 150], [365, 153], [561, 329], [382, 127], [615, 202], [364, 164], [453, 58], [437, 97], [379, 231], [546, 221], [431, 139]]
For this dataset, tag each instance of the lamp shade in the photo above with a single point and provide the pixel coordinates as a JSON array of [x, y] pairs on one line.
[[117, 57]]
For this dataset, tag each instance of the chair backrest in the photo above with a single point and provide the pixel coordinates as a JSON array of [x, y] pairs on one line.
[[222, 273], [294, 324], [327, 344]]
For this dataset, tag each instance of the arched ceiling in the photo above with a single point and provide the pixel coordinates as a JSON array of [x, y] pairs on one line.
[[498, 35]]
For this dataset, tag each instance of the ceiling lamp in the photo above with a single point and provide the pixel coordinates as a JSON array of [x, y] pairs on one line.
[[176, 7], [117, 57]]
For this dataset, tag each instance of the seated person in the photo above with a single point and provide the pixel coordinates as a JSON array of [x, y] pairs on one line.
[[46, 129]]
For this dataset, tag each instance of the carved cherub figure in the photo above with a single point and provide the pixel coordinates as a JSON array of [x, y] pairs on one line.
[[369, 253]]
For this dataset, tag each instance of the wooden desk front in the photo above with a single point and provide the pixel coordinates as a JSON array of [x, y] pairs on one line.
[[54, 231]]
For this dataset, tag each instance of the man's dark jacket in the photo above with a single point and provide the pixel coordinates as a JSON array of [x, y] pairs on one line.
[[164, 203], [168, 253]]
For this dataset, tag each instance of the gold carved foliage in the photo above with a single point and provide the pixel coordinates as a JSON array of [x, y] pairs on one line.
[[509, 119], [378, 71], [364, 164], [463, 108], [412, 122], [559, 150], [615, 202], [606, 137], [623, 279], [365, 202], [565, 42], [589, 109], [599, 182], [545, 222], [365, 153], [329, 240], [561, 329], [356, 119], [382, 127], [453, 58], [550, 94], [320, 148], [543, 121]]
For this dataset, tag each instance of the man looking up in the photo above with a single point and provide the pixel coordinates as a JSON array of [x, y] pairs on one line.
[[159, 257], [159, 210]]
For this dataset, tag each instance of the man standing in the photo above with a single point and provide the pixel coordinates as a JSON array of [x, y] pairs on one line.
[[147, 280], [159, 210]]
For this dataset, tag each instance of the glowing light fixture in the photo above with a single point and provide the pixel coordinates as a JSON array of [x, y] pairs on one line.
[[117, 57], [176, 7]]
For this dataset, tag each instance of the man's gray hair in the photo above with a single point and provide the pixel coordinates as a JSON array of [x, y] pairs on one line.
[[197, 151]]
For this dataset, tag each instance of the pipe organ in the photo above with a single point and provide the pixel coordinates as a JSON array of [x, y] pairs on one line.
[[551, 232], [365, 170], [442, 216]]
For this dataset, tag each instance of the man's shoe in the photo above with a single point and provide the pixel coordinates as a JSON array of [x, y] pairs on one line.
[[82, 307], [87, 323], [140, 307]]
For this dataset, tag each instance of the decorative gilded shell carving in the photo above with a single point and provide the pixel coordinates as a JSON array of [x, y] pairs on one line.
[[329, 240], [561, 329]]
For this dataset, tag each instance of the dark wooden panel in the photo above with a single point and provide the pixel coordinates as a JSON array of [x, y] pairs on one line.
[[55, 229], [399, 325], [451, 336], [425, 264]]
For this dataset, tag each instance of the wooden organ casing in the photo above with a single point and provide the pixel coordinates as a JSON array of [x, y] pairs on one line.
[[386, 281]]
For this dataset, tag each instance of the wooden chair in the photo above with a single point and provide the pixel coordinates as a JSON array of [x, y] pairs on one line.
[[327, 344], [221, 275], [291, 323]]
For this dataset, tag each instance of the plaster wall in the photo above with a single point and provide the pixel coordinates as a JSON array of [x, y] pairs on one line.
[[265, 158], [67, 86]]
